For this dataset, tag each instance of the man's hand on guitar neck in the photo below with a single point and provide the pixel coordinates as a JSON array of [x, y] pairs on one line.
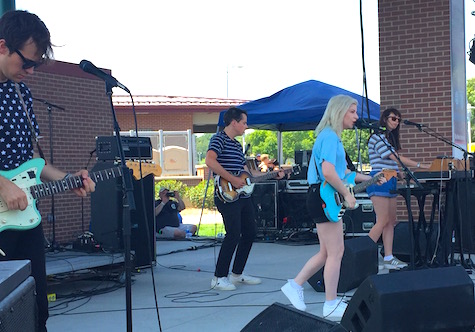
[[12, 195], [88, 184]]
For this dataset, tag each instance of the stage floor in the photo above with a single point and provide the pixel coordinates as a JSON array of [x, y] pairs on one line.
[[181, 277]]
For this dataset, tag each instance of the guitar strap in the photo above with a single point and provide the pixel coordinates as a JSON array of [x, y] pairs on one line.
[[34, 137]]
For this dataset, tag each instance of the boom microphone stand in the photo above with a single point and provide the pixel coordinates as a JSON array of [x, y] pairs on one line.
[[128, 206], [51, 216]]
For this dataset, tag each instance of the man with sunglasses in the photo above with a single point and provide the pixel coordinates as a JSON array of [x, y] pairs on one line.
[[24, 44]]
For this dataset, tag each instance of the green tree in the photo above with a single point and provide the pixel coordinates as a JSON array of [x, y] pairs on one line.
[[296, 140], [471, 101], [348, 139], [202, 142], [263, 141]]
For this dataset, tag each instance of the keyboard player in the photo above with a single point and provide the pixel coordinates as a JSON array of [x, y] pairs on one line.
[[382, 149]]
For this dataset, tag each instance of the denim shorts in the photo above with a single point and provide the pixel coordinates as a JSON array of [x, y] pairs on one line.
[[387, 189]]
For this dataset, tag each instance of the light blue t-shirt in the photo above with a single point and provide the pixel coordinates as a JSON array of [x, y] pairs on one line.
[[328, 147]]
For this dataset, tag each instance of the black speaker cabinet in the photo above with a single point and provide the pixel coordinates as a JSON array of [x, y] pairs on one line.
[[278, 317], [359, 261], [293, 210], [421, 300], [402, 242], [107, 216], [465, 233], [17, 297], [264, 199]]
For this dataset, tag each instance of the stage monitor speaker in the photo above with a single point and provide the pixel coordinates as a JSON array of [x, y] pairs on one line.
[[402, 243], [359, 261], [264, 199], [107, 216], [421, 300], [17, 297], [278, 317]]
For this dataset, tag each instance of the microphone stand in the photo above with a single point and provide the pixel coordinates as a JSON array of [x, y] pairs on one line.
[[128, 206], [407, 198], [51, 217], [433, 133]]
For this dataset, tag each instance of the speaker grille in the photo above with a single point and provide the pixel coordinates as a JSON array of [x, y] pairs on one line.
[[18, 309], [280, 318]]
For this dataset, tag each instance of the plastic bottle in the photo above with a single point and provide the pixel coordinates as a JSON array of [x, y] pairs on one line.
[[188, 234]]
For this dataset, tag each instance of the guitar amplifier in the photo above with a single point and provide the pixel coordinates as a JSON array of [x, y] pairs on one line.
[[134, 148], [264, 198]]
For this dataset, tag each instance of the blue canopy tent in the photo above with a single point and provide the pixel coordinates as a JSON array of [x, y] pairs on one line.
[[298, 107]]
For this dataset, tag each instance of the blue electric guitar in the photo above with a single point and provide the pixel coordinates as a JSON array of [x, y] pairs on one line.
[[27, 177], [334, 204]]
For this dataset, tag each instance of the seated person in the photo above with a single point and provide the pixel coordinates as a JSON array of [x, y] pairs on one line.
[[273, 165], [167, 216], [264, 165]]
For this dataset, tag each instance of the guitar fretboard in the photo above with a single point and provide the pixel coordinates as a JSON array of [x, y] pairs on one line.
[[269, 175], [72, 182], [363, 185]]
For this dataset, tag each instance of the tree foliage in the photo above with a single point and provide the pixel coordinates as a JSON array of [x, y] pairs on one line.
[[202, 142], [471, 101]]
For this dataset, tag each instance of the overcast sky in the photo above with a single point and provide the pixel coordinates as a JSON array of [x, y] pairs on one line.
[[244, 49]]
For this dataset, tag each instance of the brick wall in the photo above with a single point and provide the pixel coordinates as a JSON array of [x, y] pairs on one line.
[[414, 41], [87, 115], [166, 120]]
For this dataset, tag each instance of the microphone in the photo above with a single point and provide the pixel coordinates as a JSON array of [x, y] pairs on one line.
[[410, 123], [88, 67], [248, 146], [361, 124]]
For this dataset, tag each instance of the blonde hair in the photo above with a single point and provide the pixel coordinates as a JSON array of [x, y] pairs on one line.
[[334, 113]]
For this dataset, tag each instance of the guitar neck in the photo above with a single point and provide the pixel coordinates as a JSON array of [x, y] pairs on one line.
[[72, 182], [363, 185], [268, 176]]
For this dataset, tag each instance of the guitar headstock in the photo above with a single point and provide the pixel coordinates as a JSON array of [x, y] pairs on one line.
[[389, 173], [147, 168]]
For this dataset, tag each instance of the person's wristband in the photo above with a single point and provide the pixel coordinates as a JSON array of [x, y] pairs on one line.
[[418, 165]]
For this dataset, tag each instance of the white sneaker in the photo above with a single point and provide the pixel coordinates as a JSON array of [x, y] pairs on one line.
[[222, 284], [295, 296], [394, 264], [334, 313], [380, 262], [244, 279]]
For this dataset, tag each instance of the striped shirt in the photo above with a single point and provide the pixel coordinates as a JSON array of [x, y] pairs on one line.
[[379, 152], [229, 151]]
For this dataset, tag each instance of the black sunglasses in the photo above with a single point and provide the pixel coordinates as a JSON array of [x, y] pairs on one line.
[[394, 118], [27, 63]]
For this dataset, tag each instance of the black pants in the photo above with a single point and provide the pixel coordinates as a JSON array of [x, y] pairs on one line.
[[240, 224], [29, 244]]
